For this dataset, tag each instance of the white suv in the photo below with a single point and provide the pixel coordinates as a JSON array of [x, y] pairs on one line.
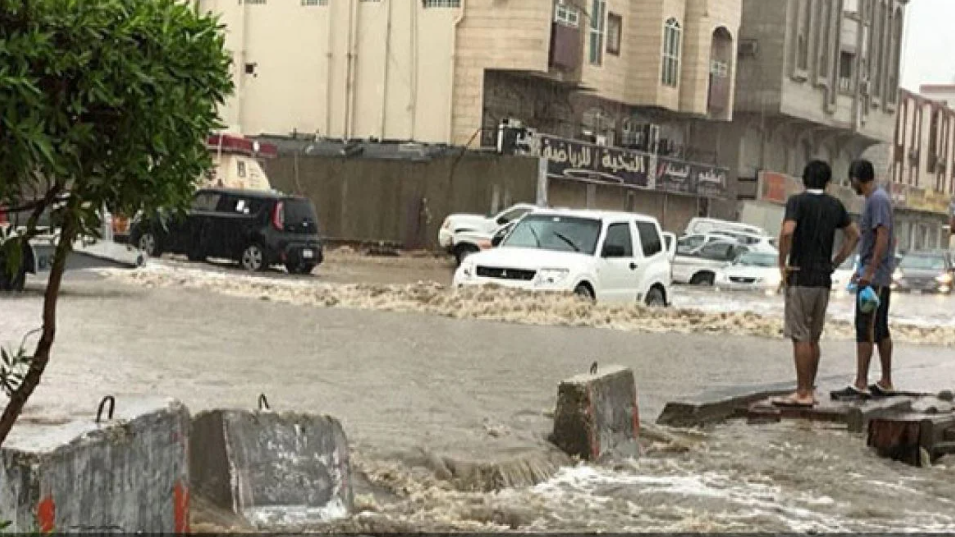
[[607, 256]]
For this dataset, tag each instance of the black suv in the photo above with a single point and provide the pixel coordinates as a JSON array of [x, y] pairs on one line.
[[257, 229]]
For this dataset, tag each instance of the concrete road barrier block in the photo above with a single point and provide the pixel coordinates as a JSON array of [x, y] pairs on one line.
[[274, 469], [126, 474], [597, 414]]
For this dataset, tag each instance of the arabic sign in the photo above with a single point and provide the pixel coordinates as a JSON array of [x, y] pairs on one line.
[[919, 199], [575, 159], [690, 178], [581, 160]]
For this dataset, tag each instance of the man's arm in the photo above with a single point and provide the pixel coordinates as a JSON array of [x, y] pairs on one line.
[[881, 247], [849, 243]]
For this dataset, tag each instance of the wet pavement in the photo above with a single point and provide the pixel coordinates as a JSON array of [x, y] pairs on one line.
[[403, 382]]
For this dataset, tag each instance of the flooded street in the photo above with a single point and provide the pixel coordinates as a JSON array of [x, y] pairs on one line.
[[413, 384]]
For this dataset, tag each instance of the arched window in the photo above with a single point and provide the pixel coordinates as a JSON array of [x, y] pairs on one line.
[[672, 36], [893, 85], [802, 40]]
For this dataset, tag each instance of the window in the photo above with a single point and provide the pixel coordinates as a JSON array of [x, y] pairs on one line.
[[721, 251], [597, 15], [847, 62], [671, 53], [567, 14], [687, 245], [442, 3], [314, 2], [512, 215], [614, 30], [619, 239], [649, 239], [259, 2], [240, 168], [802, 42], [205, 201], [719, 68]]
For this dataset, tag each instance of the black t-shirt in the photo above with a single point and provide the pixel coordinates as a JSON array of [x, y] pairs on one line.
[[817, 217]]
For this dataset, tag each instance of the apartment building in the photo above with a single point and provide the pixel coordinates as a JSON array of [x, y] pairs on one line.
[[816, 79], [921, 175], [630, 74]]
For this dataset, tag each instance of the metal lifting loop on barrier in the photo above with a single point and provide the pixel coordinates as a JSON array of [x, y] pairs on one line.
[[263, 402], [112, 406]]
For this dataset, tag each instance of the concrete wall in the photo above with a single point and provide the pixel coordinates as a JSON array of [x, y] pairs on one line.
[[401, 201], [128, 475]]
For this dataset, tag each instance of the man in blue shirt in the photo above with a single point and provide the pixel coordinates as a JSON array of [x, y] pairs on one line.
[[877, 259]]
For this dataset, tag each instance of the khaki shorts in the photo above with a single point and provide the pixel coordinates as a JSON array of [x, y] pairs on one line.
[[806, 313]]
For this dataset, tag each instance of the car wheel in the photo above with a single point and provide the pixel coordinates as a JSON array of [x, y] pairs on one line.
[[462, 251], [301, 268], [703, 278], [149, 244], [253, 258], [655, 298], [584, 292]]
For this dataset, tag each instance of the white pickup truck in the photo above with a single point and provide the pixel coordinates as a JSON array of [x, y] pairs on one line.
[[464, 234]]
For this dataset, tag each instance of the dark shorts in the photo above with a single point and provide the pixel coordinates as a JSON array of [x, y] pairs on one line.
[[874, 327]]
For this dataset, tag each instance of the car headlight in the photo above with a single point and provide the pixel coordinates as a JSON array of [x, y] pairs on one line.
[[944, 279], [551, 276]]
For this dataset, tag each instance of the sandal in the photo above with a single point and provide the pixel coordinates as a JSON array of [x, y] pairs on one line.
[[850, 392]]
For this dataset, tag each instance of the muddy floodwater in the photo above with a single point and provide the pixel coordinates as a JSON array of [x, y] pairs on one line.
[[425, 394]]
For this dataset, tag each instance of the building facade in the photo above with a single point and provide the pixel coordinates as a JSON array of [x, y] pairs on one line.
[[636, 75], [816, 79], [922, 172], [447, 71]]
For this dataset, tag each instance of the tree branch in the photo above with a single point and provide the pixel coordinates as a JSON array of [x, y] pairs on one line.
[[42, 355]]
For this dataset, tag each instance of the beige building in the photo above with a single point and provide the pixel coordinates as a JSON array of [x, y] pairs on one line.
[[449, 71], [922, 166], [817, 79]]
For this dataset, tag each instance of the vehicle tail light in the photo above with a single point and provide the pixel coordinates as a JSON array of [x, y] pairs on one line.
[[278, 216], [3, 217]]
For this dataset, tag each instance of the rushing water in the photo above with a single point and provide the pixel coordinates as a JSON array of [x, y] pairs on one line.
[[787, 477]]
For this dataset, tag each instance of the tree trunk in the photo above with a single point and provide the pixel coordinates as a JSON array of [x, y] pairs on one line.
[[42, 355]]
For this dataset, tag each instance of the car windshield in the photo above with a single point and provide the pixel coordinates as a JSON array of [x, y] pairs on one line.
[[923, 262], [555, 232], [756, 259]]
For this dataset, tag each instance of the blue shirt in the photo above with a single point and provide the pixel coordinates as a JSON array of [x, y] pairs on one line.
[[877, 213]]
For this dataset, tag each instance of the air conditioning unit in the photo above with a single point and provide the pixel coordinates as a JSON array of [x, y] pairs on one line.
[[864, 87], [913, 156], [601, 140], [747, 47]]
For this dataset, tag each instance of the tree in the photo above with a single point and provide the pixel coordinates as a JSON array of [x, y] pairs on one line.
[[103, 103]]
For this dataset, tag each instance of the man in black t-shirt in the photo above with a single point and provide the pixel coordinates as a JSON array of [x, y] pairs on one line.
[[806, 266]]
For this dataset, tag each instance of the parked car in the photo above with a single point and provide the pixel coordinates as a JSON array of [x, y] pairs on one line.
[[258, 229], [607, 256], [763, 243], [468, 225], [925, 272], [701, 266], [470, 242], [700, 225], [754, 270]]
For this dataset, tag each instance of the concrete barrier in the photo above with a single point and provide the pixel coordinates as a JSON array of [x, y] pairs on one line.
[[126, 474], [273, 469], [597, 414]]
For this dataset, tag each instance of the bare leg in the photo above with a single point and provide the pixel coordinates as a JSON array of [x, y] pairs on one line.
[[885, 357], [805, 366], [863, 358], [816, 354]]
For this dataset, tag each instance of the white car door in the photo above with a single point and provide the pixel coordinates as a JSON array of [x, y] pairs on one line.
[[619, 266]]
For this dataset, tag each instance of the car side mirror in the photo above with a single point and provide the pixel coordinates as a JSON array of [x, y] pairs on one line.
[[496, 240], [612, 250], [501, 221]]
